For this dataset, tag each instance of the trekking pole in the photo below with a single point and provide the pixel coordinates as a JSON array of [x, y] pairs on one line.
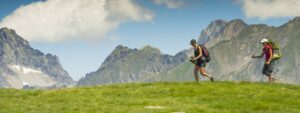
[[248, 64], [251, 59]]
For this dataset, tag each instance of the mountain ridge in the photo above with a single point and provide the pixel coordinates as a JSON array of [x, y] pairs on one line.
[[240, 42], [133, 65], [21, 65]]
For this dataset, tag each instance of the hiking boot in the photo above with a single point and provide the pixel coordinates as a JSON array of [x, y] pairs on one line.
[[212, 79]]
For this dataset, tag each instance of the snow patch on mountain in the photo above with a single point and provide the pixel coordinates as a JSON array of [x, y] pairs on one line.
[[26, 76], [25, 69]]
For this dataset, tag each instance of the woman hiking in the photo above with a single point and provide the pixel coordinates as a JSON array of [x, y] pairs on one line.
[[200, 61]]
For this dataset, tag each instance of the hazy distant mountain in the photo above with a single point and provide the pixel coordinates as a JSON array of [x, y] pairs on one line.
[[133, 65], [21, 65]]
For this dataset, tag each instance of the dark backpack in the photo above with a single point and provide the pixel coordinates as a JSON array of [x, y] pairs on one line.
[[205, 53]]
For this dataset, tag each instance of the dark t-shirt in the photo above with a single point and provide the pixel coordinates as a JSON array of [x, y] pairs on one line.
[[196, 51]]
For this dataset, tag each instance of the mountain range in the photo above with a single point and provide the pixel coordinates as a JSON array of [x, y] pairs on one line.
[[231, 45]]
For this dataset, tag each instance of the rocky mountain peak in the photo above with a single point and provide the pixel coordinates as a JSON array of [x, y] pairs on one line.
[[220, 30], [218, 22], [233, 28], [212, 30], [295, 21], [149, 48], [237, 22], [5, 29], [10, 36], [120, 48], [16, 53], [120, 52]]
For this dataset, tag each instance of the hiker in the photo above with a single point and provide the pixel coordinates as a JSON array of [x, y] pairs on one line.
[[269, 62], [199, 61]]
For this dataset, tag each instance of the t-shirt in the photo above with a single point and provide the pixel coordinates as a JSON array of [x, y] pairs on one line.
[[267, 51]]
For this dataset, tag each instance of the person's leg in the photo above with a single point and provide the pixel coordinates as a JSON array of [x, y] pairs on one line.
[[265, 71], [204, 73], [196, 73], [269, 72], [270, 78], [201, 73], [202, 70], [274, 79], [271, 66]]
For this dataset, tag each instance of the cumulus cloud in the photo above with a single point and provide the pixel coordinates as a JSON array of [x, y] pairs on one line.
[[61, 20], [265, 9], [173, 4]]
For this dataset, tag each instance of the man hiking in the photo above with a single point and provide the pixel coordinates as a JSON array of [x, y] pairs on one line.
[[269, 62], [199, 61]]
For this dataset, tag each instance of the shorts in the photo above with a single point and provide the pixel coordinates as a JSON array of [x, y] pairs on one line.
[[201, 62], [268, 69]]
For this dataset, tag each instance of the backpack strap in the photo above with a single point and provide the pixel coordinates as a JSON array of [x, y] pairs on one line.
[[271, 46]]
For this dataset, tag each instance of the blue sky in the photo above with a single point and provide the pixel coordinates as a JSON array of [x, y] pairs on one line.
[[170, 30]]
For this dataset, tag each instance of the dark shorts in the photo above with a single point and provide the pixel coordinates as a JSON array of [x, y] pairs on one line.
[[201, 62], [268, 69]]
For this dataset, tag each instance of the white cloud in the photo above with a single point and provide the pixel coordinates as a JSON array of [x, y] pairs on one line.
[[265, 9], [173, 4], [61, 20]]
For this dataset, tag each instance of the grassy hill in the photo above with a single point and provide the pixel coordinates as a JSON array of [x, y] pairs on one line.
[[187, 97]]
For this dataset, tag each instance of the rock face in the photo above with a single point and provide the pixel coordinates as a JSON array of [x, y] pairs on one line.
[[213, 30], [220, 30], [133, 65], [22, 65]]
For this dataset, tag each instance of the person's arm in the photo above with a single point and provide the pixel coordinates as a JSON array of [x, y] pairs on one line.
[[200, 53], [260, 56], [271, 56]]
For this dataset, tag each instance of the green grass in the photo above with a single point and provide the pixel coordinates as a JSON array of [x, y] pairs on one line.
[[188, 97]]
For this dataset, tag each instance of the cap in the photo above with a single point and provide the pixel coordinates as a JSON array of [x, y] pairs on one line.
[[264, 40]]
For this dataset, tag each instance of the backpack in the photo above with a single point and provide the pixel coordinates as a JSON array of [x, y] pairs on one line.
[[205, 53], [275, 50]]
